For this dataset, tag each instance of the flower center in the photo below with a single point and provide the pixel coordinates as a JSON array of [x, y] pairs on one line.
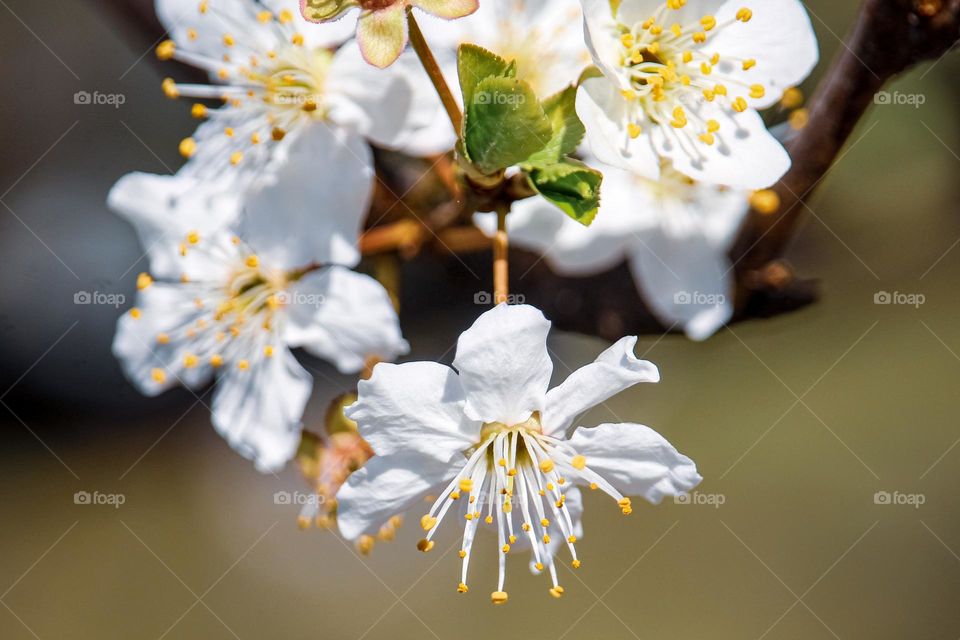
[[669, 75]]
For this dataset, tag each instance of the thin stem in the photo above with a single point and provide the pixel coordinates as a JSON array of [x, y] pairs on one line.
[[433, 70], [501, 264]]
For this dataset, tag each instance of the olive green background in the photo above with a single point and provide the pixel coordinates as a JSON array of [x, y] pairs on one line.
[[795, 422]]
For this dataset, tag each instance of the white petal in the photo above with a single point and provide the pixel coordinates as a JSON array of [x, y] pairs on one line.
[[685, 279], [259, 411], [343, 317], [779, 37], [427, 130], [600, 26], [614, 370], [602, 108], [313, 208], [414, 407], [163, 308], [375, 102], [163, 209], [385, 487], [745, 155], [636, 460], [327, 34], [504, 365]]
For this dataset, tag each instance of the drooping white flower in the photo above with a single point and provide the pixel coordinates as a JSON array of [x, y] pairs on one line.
[[494, 442], [228, 300], [544, 37], [675, 233], [682, 80], [276, 83]]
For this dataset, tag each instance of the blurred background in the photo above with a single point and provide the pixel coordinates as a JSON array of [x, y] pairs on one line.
[[827, 438]]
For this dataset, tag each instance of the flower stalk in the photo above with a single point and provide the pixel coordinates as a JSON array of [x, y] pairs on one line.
[[429, 62], [501, 263]]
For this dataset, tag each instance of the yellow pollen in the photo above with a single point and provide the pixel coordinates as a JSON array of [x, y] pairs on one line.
[[677, 30], [425, 545], [243, 365], [707, 138], [255, 138], [634, 130], [278, 134], [297, 39], [468, 516], [765, 201], [188, 147], [190, 361], [757, 91], [193, 237], [135, 313], [576, 564], [705, 68], [744, 15], [466, 485], [525, 526], [268, 351], [749, 64], [512, 539], [546, 539], [192, 34], [626, 40], [498, 597], [488, 519], [228, 40], [455, 495], [252, 261], [166, 50], [462, 554], [799, 119], [557, 592], [676, 5], [687, 56], [170, 88], [204, 5], [708, 22], [286, 16], [505, 548], [365, 545], [539, 566], [502, 462], [223, 74], [720, 90], [792, 98], [158, 375], [228, 132], [715, 59], [462, 588], [163, 338], [236, 157], [545, 522], [144, 281], [699, 37], [216, 361], [427, 522], [739, 105], [264, 16], [713, 126]]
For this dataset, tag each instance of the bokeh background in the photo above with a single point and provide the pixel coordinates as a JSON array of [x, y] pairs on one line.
[[796, 422]]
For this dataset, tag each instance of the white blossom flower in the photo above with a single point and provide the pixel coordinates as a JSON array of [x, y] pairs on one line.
[[494, 443], [229, 300], [675, 234], [544, 37], [682, 79], [276, 83]]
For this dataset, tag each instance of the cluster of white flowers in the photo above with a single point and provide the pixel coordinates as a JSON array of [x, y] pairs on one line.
[[251, 245]]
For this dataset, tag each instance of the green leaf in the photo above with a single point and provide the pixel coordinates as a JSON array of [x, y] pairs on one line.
[[475, 64], [568, 131], [504, 125], [570, 185]]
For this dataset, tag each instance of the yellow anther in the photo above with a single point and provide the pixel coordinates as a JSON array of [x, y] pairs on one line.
[[268, 351], [278, 134], [166, 49], [626, 40], [715, 59], [709, 95], [700, 37], [229, 132], [628, 94], [223, 74], [455, 495], [144, 281], [739, 105], [462, 554], [498, 597], [713, 126], [653, 47], [462, 588], [192, 34], [228, 40], [365, 545], [286, 16], [303, 523], [572, 539], [190, 361], [505, 548], [204, 6], [708, 22], [757, 91], [525, 526], [466, 485], [170, 88], [576, 564], [687, 56], [425, 545], [163, 338], [216, 361], [199, 111], [557, 592], [765, 201], [135, 313], [512, 539], [676, 5], [546, 538], [707, 138], [297, 39], [792, 98], [502, 462], [720, 89], [264, 16], [488, 519], [656, 30], [677, 30], [468, 516], [255, 138], [634, 130], [539, 566], [550, 486], [544, 522], [427, 522], [647, 23], [744, 15], [193, 237], [799, 119], [243, 365], [252, 261], [158, 375], [748, 64], [188, 147], [705, 68], [236, 158]]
